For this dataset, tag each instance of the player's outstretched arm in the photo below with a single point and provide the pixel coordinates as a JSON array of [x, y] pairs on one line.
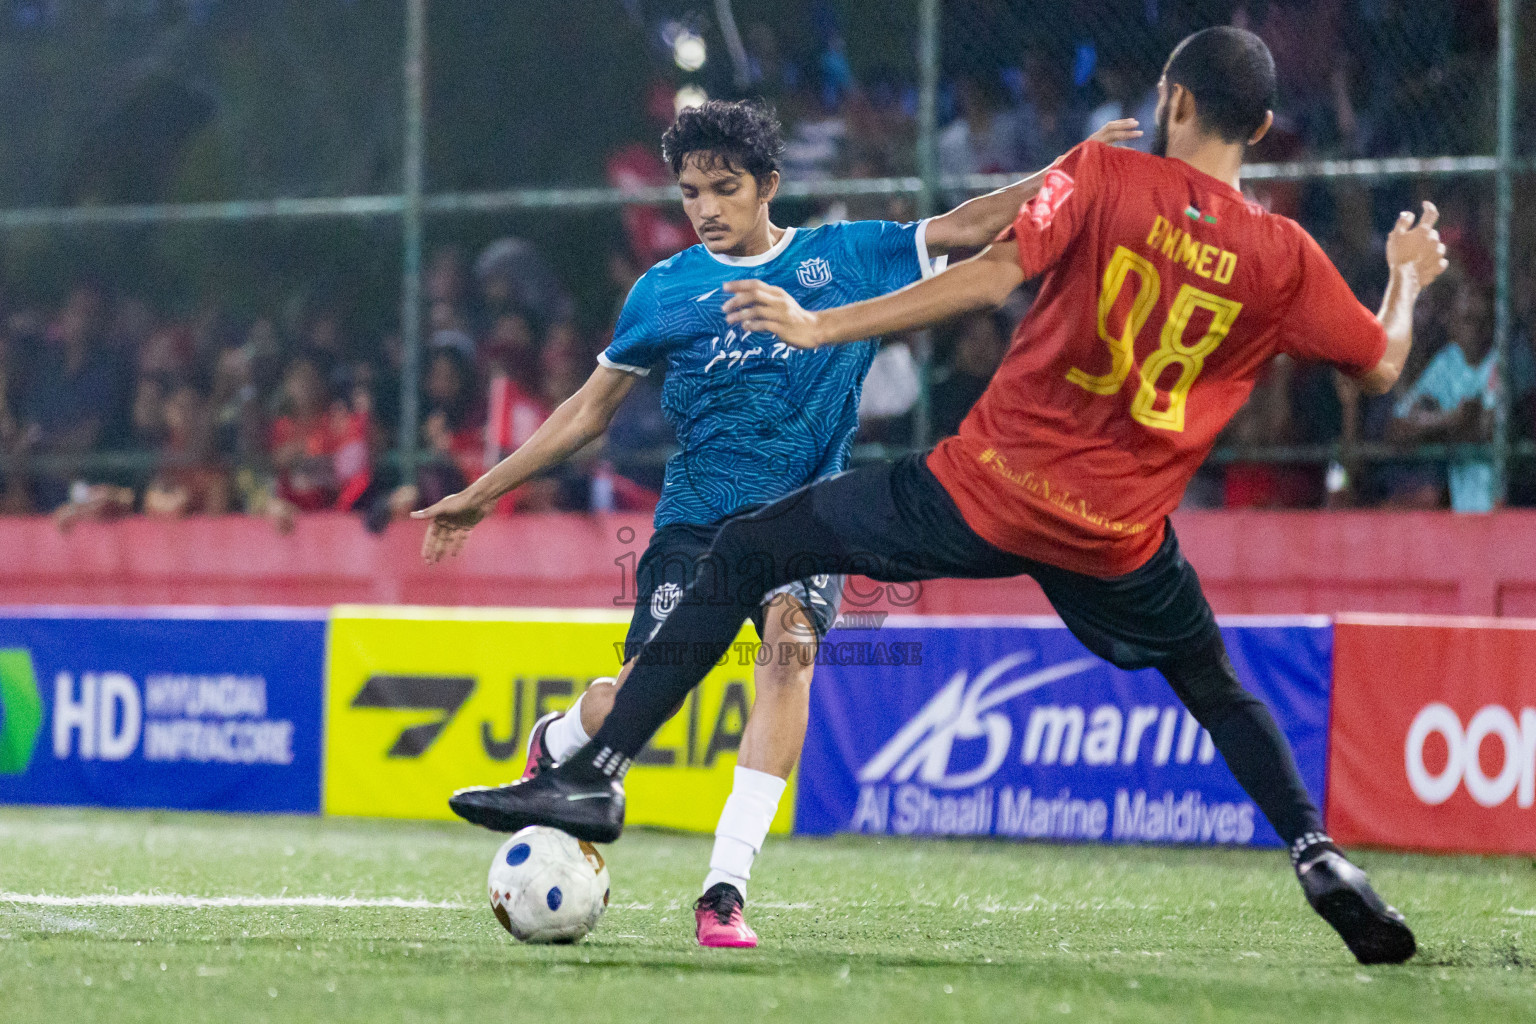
[[978, 221], [1415, 257], [579, 421], [981, 282]]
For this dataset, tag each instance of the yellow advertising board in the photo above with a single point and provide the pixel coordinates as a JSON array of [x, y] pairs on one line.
[[421, 701]]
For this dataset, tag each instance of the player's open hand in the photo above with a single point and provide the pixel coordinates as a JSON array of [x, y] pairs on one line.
[[755, 306], [449, 523], [1417, 246], [1122, 129]]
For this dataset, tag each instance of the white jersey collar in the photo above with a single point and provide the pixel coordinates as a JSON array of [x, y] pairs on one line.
[[760, 258]]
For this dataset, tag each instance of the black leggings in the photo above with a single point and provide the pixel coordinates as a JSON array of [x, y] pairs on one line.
[[894, 522]]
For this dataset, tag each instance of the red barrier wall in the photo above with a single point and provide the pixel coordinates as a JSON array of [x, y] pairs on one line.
[[1251, 562], [1433, 742]]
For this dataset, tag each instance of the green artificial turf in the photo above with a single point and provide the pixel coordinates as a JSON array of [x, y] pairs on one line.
[[852, 929]]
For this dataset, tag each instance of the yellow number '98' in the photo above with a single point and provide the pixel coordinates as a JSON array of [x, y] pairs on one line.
[[1171, 352]]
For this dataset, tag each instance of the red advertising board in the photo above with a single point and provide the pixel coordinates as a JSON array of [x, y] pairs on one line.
[[1433, 740]]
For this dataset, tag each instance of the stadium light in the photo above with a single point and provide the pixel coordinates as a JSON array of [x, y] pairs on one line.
[[689, 51], [689, 96]]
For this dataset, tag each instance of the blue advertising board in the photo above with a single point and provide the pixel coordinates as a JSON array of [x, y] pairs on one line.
[[183, 708], [1010, 728]]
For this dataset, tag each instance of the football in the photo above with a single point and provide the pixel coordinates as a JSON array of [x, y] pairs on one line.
[[546, 886]]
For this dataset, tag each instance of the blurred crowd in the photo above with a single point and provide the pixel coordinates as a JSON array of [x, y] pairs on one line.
[[109, 406], [1357, 78]]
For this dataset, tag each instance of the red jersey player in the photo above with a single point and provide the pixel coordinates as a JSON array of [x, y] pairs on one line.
[[1163, 294]]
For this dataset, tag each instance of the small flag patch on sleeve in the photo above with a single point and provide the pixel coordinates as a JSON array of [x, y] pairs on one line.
[[1055, 191]]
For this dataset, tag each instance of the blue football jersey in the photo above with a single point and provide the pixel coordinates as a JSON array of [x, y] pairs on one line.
[[755, 418]]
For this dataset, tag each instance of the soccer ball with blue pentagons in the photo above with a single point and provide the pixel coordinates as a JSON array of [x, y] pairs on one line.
[[547, 886]]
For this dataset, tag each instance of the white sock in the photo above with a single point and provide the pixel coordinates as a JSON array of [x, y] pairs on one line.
[[744, 822], [565, 735]]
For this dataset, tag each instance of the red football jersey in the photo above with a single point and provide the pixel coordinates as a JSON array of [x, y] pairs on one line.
[[1164, 293]]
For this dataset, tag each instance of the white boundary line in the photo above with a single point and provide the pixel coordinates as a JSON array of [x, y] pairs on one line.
[[157, 899]]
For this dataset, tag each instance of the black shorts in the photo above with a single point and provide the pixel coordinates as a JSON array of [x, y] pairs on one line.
[[669, 565], [894, 522]]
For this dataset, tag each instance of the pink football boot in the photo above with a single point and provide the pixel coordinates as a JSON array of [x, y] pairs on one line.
[[720, 923], [538, 756]]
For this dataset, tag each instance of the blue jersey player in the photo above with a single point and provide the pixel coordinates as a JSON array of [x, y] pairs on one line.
[[755, 419]]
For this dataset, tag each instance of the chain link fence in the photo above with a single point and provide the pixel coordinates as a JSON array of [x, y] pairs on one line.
[[396, 232]]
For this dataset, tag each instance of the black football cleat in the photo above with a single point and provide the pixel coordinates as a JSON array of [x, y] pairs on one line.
[[1340, 892], [590, 810]]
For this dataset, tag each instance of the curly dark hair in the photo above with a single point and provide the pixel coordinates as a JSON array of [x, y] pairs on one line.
[[742, 136]]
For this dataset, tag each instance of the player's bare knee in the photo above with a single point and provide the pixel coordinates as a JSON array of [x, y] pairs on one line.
[[596, 703], [789, 676], [790, 634], [788, 620], [794, 656]]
